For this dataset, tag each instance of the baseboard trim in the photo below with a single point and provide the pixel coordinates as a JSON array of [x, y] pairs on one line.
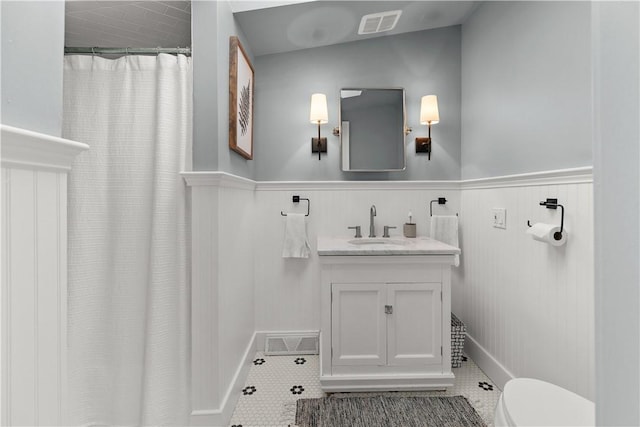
[[222, 416], [354, 383], [498, 374]]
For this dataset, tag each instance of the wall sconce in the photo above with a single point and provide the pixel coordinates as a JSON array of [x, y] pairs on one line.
[[320, 116], [428, 116]]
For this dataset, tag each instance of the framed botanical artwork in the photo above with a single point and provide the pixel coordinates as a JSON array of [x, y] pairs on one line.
[[241, 76]]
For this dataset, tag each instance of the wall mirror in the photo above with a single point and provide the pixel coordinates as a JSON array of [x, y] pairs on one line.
[[372, 129]]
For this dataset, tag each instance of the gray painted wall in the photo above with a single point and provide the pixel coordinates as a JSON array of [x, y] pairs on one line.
[[425, 62], [32, 63], [526, 88], [616, 52], [228, 160], [204, 46], [212, 25]]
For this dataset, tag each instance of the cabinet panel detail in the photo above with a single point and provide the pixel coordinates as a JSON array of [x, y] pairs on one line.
[[358, 324], [414, 330]]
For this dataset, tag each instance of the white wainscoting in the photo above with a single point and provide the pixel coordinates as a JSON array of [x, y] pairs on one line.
[[34, 277], [223, 327], [528, 306], [287, 291]]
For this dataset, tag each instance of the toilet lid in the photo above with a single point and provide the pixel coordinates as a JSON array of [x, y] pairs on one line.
[[530, 402]]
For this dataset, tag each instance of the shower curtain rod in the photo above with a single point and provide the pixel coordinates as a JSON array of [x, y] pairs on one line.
[[128, 50]]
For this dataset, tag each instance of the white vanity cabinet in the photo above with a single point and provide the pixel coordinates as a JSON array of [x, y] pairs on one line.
[[386, 321], [386, 324]]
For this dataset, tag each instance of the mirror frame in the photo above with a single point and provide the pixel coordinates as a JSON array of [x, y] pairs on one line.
[[405, 130]]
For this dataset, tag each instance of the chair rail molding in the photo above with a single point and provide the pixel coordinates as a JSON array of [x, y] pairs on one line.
[[23, 148], [561, 176]]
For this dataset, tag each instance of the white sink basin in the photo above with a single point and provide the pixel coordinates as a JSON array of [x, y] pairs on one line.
[[377, 241], [382, 246]]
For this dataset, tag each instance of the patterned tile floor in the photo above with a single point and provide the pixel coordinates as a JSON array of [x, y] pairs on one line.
[[276, 382]]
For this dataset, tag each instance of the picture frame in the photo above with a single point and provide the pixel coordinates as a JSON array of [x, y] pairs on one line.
[[241, 94]]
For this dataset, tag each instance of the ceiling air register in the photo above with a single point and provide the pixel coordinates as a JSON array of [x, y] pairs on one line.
[[379, 22]]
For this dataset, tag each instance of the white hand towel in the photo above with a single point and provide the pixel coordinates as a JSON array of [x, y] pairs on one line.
[[445, 229], [295, 237]]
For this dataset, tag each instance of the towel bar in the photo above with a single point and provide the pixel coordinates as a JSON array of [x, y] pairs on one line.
[[296, 199], [440, 200]]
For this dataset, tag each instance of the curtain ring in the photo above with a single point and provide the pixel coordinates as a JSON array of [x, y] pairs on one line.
[[126, 51], [93, 52]]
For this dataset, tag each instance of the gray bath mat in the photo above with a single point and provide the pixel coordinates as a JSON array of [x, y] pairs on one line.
[[387, 411]]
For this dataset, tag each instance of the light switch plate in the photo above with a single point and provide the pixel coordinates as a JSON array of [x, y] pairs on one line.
[[500, 218]]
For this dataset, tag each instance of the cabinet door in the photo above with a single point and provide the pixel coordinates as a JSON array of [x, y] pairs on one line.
[[414, 331], [358, 324]]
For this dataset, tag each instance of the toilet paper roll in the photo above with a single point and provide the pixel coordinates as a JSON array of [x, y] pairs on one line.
[[548, 233]]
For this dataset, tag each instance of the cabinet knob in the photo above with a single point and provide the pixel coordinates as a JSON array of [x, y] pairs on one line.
[[388, 309]]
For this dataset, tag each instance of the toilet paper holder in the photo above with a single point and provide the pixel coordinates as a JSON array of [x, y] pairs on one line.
[[553, 204]]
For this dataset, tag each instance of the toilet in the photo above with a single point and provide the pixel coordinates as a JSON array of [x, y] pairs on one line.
[[531, 402]]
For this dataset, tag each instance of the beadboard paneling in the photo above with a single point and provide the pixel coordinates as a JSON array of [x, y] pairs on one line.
[[235, 284], [34, 295], [287, 290], [204, 299], [528, 304], [223, 324], [4, 297], [34, 276]]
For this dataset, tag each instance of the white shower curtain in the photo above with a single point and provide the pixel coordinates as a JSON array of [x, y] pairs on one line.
[[128, 277]]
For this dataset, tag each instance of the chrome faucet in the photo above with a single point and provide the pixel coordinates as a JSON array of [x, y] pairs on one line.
[[372, 227]]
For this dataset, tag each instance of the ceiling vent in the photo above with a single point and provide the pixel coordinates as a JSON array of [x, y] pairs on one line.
[[379, 22]]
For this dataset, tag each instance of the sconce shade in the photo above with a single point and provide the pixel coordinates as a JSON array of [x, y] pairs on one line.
[[429, 110], [319, 114]]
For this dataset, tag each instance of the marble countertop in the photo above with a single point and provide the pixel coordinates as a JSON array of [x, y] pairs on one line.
[[397, 246]]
